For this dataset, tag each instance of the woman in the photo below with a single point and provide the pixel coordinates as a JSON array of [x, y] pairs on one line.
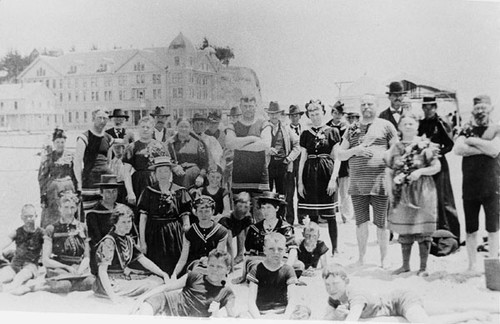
[[219, 194], [55, 176], [138, 157], [164, 213], [412, 163], [317, 171], [190, 153], [114, 253]]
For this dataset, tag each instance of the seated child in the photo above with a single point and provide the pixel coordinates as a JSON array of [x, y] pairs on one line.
[[311, 250], [237, 223], [202, 295], [202, 237], [114, 253], [271, 282], [29, 242], [350, 304]]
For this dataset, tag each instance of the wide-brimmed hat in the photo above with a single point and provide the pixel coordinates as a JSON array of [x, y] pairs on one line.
[[119, 113], [199, 116], [429, 101], [396, 87], [159, 111], [109, 181], [339, 106], [160, 161], [295, 110], [235, 111], [274, 108], [269, 196], [214, 116]]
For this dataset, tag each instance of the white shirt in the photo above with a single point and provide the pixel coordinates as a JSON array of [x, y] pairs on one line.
[[159, 134]]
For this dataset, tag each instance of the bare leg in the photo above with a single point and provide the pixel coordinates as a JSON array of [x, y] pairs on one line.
[[471, 243], [362, 236], [145, 309], [240, 244], [20, 278], [383, 242], [493, 245], [6, 274]]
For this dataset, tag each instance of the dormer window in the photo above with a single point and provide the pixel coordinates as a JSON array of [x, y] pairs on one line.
[[72, 69], [102, 68], [138, 66], [40, 72], [177, 61]]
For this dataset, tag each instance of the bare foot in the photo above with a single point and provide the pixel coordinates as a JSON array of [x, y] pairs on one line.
[[400, 271], [238, 259]]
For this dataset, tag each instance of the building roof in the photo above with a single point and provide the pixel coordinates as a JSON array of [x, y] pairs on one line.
[[412, 82], [181, 42], [20, 90]]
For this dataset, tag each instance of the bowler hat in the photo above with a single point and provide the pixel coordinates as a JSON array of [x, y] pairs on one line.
[[119, 113], [274, 107], [109, 181], [199, 116], [160, 161], [295, 110], [269, 196], [214, 116], [396, 87], [429, 101], [235, 111], [160, 111]]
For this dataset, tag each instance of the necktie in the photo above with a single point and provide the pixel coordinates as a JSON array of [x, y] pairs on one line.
[[296, 129], [118, 132]]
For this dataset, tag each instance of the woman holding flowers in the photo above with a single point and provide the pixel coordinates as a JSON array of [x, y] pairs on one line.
[[413, 211], [317, 171]]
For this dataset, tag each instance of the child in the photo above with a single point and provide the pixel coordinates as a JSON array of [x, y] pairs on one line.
[[202, 295], [272, 281], [311, 250], [117, 168], [413, 212], [29, 242], [218, 194], [350, 304], [202, 237], [237, 223]]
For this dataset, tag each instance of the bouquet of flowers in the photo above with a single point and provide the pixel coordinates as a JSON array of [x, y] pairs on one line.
[[319, 139], [155, 149]]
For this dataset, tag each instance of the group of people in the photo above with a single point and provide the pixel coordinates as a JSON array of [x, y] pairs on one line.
[[126, 213]]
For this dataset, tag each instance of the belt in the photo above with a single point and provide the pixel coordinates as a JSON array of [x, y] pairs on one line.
[[314, 156], [278, 158]]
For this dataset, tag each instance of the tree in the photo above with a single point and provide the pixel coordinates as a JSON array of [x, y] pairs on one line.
[[13, 63], [223, 54]]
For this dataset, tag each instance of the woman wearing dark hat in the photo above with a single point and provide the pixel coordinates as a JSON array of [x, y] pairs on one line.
[[164, 210], [55, 176], [438, 131]]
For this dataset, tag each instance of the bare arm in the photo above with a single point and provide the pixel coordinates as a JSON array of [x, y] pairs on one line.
[[487, 147], [171, 285], [292, 257], [183, 258], [302, 162], [355, 312], [292, 300], [151, 266], [102, 272], [8, 241], [127, 173], [78, 162], [222, 244], [345, 152], [323, 261], [237, 143], [463, 149], [48, 262], [252, 298], [84, 265], [240, 242], [142, 232]]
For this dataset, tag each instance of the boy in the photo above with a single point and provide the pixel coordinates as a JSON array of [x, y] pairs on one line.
[[202, 295], [237, 223], [202, 237], [271, 282], [350, 304], [29, 242], [311, 250]]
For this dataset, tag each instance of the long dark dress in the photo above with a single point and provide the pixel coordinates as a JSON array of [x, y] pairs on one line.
[[218, 197], [438, 131], [318, 169], [140, 156], [163, 232], [192, 155], [54, 176]]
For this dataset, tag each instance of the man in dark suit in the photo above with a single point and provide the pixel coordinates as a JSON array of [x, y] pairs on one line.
[[160, 132], [396, 96], [119, 118]]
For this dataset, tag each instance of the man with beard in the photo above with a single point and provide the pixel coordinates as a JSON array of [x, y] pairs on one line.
[[479, 144], [213, 146], [438, 131], [160, 132], [119, 131]]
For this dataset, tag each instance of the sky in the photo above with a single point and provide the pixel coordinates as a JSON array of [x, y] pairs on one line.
[[299, 49]]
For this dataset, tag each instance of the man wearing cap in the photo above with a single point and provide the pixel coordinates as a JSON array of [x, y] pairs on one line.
[[396, 110], [251, 142], [440, 132], [343, 178], [292, 177], [119, 118], [214, 118], [479, 144], [160, 132], [213, 146], [284, 149]]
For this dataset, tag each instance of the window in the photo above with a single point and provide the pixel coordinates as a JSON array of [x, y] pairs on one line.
[[191, 77], [177, 61], [191, 92], [76, 116], [108, 96], [72, 69], [191, 61], [40, 72], [102, 68], [69, 117], [177, 77], [92, 96], [139, 67], [61, 97], [69, 96], [54, 84], [47, 83], [205, 94], [85, 96], [156, 93], [120, 95], [122, 80], [108, 82], [177, 92], [140, 78], [138, 93], [60, 83], [156, 78], [97, 96], [76, 96], [93, 82], [1, 105]]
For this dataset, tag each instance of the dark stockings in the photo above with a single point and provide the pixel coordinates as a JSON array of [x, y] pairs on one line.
[[333, 232]]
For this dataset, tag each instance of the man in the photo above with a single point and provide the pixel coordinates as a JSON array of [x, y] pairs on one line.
[[213, 146], [396, 96], [352, 117], [214, 118], [119, 131], [438, 131], [251, 142], [284, 149], [91, 158], [233, 116], [292, 177], [160, 132], [343, 178], [364, 145], [479, 144]]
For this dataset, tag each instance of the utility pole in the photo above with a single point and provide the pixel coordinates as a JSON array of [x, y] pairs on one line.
[[339, 85]]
